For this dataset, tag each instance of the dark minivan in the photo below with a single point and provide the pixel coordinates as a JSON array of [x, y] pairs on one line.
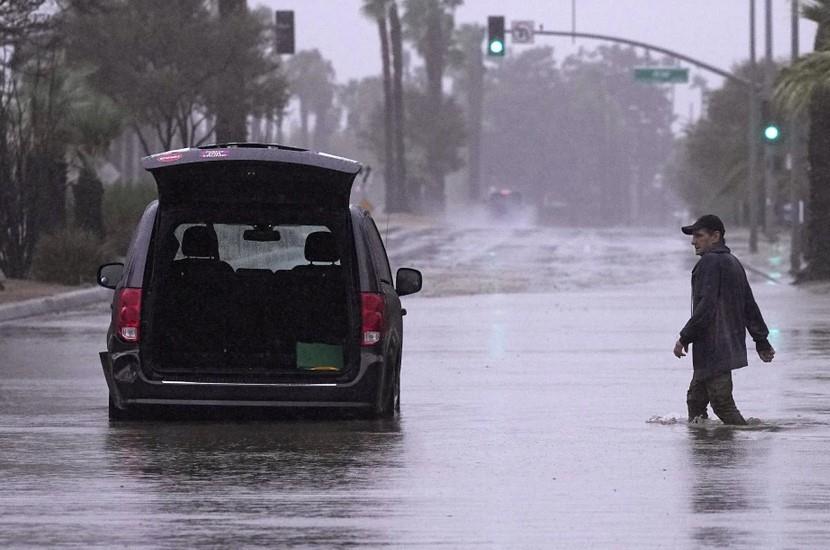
[[251, 282]]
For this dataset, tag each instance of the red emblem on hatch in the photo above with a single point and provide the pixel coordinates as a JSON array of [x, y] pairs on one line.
[[170, 157]]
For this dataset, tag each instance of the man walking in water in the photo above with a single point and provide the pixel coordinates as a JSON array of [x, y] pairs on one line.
[[723, 309]]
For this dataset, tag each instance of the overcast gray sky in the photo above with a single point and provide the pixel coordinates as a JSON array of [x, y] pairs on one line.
[[715, 31]]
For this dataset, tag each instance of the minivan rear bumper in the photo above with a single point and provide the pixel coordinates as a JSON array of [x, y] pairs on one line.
[[129, 386]]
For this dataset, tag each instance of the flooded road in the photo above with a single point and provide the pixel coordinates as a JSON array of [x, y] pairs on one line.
[[525, 424]]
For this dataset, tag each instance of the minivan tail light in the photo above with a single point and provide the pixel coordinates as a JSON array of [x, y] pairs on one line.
[[372, 307], [128, 314]]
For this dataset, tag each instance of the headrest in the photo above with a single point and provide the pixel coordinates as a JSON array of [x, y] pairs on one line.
[[321, 246], [200, 241]]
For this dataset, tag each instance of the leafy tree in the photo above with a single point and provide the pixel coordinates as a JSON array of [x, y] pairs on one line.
[[523, 137], [806, 86], [400, 202], [712, 169], [470, 83], [631, 137], [230, 113], [311, 79], [378, 10], [33, 132], [422, 128], [582, 134], [361, 99], [428, 24], [172, 82], [93, 122]]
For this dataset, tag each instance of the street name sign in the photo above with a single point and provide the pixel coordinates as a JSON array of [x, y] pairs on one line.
[[522, 32], [661, 75]]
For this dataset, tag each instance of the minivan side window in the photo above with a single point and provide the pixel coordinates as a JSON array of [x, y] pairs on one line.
[[378, 252]]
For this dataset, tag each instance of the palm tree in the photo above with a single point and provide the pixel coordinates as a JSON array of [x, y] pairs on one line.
[[311, 79], [377, 10], [805, 86], [429, 25], [471, 81], [396, 36], [231, 123]]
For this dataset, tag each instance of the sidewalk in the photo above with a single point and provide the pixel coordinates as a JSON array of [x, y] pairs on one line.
[[24, 298], [17, 290], [772, 261]]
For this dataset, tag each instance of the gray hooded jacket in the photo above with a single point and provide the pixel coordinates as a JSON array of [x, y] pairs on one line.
[[723, 309]]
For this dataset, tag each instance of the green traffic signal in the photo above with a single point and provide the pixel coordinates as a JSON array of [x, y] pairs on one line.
[[496, 47], [772, 133], [495, 35]]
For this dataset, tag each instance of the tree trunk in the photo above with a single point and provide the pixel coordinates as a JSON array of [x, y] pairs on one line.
[[817, 250], [818, 218], [399, 121], [475, 110], [434, 61], [304, 135], [392, 187], [89, 194], [231, 118], [48, 179], [322, 129]]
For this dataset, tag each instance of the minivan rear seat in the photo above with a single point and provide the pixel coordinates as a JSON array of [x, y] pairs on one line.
[[198, 292], [250, 313], [319, 302]]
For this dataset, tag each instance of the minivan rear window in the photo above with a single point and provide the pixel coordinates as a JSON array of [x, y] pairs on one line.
[[241, 253]]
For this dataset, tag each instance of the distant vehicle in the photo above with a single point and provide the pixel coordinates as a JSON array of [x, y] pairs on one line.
[[504, 203], [251, 282]]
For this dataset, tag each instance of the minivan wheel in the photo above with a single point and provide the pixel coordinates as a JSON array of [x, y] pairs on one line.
[[398, 390], [391, 399]]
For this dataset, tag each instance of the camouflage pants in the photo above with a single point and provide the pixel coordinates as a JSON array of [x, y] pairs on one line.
[[717, 391]]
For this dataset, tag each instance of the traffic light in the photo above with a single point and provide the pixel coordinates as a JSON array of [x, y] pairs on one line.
[[772, 132], [770, 129], [285, 31], [495, 35]]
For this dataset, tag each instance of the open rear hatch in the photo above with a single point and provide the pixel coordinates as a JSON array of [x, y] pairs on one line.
[[252, 275], [252, 173]]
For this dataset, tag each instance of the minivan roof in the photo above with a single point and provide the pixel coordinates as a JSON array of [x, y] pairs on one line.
[[262, 152]]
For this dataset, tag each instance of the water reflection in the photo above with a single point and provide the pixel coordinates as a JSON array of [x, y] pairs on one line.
[[271, 477], [718, 459]]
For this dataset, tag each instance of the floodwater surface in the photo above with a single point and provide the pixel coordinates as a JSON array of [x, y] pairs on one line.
[[525, 424]]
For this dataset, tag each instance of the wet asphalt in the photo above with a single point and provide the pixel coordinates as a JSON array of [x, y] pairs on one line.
[[552, 417]]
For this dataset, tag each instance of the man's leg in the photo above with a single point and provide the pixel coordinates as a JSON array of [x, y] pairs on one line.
[[697, 398], [720, 394]]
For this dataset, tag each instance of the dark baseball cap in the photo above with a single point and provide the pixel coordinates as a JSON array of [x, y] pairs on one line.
[[709, 221]]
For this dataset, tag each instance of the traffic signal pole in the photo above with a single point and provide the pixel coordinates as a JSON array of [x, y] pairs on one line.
[[752, 178], [769, 168], [796, 146]]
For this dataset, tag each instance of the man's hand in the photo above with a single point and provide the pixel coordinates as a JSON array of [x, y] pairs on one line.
[[680, 350], [766, 355]]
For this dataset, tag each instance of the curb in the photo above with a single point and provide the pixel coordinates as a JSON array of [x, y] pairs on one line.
[[54, 304]]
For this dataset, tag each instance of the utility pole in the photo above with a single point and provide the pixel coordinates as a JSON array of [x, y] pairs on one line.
[[573, 20], [796, 140], [754, 203], [769, 189]]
